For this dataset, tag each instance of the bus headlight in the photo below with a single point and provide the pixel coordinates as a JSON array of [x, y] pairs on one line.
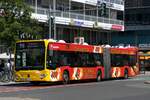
[[43, 76]]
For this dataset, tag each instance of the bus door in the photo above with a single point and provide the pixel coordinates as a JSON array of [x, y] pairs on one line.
[[107, 62]]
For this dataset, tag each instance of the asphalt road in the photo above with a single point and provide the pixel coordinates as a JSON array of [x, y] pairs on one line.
[[131, 89]]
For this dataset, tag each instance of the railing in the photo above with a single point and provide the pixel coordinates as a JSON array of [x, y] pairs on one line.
[[79, 16], [121, 2]]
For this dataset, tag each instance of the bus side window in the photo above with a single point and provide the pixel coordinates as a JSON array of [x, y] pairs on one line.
[[84, 59], [126, 60], [92, 60], [98, 63], [73, 59], [132, 60], [78, 61], [63, 59], [117, 60], [97, 59]]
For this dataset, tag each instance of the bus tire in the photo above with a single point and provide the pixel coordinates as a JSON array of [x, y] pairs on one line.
[[66, 79], [99, 76], [126, 74]]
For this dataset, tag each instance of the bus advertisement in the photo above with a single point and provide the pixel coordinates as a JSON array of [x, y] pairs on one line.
[[51, 61]]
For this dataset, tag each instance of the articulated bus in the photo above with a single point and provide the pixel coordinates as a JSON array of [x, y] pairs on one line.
[[50, 61]]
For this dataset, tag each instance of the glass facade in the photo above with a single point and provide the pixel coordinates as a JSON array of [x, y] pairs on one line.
[[137, 12], [137, 21]]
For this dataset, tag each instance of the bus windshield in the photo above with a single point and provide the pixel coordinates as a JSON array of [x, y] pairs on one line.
[[30, 56]]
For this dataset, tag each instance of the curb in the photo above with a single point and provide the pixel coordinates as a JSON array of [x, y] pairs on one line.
[[17, 98], [6, 83], [11, 83]]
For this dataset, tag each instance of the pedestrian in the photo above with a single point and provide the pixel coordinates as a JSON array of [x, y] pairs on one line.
[[2, 65], [8, 65], [9, 70], [142, 67]]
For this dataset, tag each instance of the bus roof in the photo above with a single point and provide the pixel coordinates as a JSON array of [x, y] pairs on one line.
[[74, 47], [56, 45]]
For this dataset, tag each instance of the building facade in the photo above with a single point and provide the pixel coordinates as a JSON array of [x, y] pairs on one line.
[[137, 23], [95, 20]]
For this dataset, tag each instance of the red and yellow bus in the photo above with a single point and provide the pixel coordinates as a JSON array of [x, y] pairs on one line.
[[51, 61]]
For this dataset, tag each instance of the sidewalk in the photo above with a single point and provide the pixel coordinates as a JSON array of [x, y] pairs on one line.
[[145, 75], [7, 83], [148, 76]]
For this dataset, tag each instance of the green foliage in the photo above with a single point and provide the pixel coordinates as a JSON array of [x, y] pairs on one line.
[[15, 19]]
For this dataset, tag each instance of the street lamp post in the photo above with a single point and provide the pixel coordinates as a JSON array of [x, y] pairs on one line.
[[51, 20], [54, 9], [69, 7], [97, 12], [84, 9], [36, 6], [109, 12]]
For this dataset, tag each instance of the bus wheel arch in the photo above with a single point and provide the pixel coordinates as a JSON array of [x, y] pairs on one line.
[[99, 75], [126, 76], [65, 76]]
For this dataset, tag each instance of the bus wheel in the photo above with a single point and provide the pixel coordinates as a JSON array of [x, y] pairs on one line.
[[99, 76], [66, 77], [126, 74]]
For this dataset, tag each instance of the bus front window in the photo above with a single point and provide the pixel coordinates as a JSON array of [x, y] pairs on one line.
[[30, 55]]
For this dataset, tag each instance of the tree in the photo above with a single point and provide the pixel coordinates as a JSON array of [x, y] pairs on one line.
[[15, 20]]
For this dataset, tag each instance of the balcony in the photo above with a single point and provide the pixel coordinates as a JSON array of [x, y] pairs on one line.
[[81, 17], [120, 2]]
